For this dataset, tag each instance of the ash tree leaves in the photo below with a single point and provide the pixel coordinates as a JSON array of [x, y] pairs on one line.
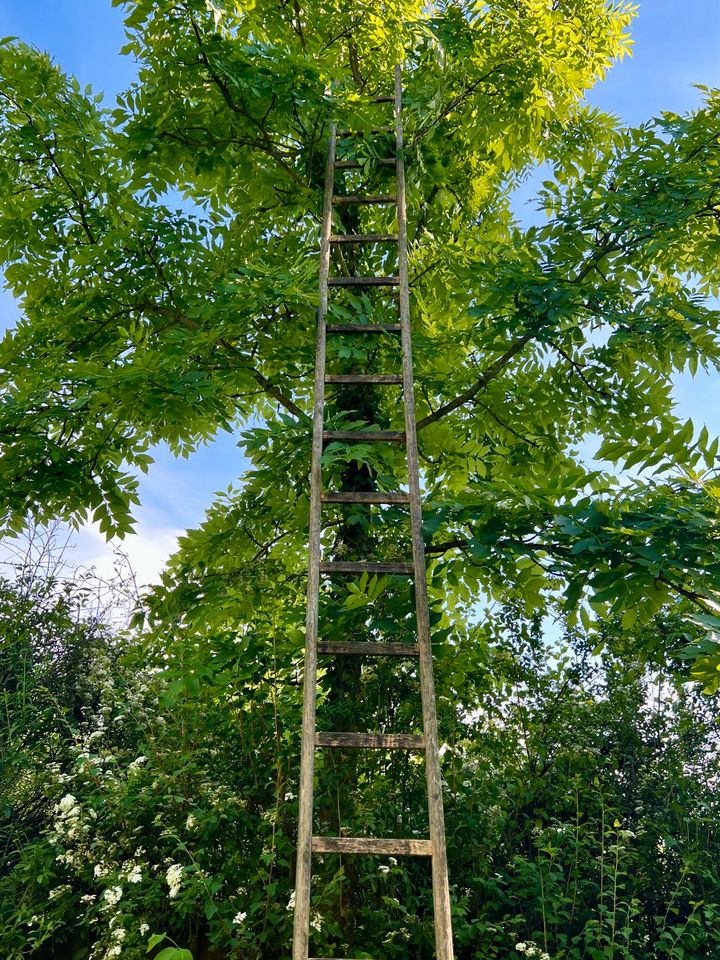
[[144, 324]]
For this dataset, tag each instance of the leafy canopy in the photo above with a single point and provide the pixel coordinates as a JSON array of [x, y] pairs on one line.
[[145, 323]]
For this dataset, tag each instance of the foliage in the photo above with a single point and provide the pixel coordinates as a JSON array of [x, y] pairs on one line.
[[145, 323]]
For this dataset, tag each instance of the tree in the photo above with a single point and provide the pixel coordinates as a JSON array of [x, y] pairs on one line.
[[142, 323]]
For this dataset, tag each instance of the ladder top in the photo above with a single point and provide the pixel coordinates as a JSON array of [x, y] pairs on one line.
[[357, 164], [363, 238], [379, 198]]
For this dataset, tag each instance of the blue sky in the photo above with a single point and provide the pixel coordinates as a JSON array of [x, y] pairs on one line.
[[676, 44]]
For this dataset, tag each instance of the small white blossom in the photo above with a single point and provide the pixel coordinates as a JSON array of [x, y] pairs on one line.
[[190, 823], [112, 895], [67, 803], [135, 875], [143, 929], [289, 796], [174, 878], [383, 868], [521, 947], [99, 870], [291, 902], [59, 891], [136, 764], [239, 918], [316, 922]]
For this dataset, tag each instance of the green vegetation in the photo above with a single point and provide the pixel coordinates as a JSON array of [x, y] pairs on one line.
[[149, 778]]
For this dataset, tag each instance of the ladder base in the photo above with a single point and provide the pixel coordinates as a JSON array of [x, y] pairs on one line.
[[371, 741], [373, 846]]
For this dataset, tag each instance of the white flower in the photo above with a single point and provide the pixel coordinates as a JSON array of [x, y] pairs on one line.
[[289, 796], [392, 861], [316, 921], [135, 875], [112, 895], [99, 870], [239, 918], [190, 823], [521, 947], [143, 929], [136, 764], [174, 878], [118, 934], [544, 956], [113, 951], [67, 803], [291, 902], [59, 891], [383, 869]]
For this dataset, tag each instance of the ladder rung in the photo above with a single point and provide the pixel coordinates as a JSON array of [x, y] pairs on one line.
[[384, 98], [364, 238], [362, 648], [366, 198], [356, 164], [370, 741], [363, 281], [364, 328], [344, 134], [388, 378], [364, 496], [372, 845], [364, 566], [392, 436]]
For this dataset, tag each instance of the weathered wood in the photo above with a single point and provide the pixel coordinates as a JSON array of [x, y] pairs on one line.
[[307, 844], [345, 134], [363, 282], [366, 648], [364, 496], [370, 741], [364, 566], [301, 920], [364, 237], [379, 198], [384, 98], [392, 436], [441, 892], [372, 845], [356, 164], [363, 328], [380, 378]]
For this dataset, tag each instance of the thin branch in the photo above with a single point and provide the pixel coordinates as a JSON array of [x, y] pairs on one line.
[[491, 373]]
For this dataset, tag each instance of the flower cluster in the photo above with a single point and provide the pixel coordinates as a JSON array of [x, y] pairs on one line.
[[531, 949]]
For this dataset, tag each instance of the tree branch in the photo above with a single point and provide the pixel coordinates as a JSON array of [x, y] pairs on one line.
[[492, 371]]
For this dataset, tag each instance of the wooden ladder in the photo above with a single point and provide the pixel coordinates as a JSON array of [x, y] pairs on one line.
[[308, 845]]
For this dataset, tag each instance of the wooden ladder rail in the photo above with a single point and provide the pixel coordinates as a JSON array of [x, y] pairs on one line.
[[434, 847]]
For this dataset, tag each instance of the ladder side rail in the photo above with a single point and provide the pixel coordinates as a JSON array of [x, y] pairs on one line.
[[440, 885], [303, 874]]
